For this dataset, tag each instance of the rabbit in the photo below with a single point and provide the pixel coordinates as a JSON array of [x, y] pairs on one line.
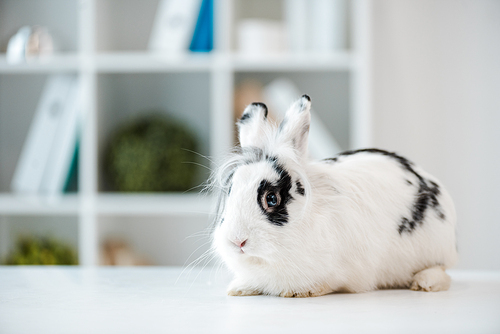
[[363, 220]]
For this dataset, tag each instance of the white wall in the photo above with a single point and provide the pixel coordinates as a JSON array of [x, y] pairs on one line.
[[436, 99]]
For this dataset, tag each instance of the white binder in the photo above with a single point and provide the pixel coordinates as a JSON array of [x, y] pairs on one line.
[[37, 146]]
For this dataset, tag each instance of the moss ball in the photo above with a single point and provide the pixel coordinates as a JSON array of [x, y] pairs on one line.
[[153, 153], [41, 251]]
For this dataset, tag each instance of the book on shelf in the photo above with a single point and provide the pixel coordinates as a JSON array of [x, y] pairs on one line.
[[57, 169], [322, 143], [35, 153], [203, 40], [71, 183], [174, 25], [47, 154]]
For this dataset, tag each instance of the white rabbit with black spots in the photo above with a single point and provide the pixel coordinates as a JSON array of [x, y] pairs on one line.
[[363, 220]]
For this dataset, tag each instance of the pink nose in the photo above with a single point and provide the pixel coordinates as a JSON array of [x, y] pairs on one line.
[[240, 244]]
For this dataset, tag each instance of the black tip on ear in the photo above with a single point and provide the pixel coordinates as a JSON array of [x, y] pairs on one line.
[[305, 96], [262, 105]]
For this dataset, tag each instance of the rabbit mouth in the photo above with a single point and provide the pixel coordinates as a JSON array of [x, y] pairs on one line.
[[253, 260]]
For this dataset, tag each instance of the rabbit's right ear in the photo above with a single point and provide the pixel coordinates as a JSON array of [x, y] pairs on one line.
[[253, 126], [294, 130]]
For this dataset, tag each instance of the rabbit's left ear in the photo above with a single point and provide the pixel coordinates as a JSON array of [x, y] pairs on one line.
[[294, 129], [253, 126]]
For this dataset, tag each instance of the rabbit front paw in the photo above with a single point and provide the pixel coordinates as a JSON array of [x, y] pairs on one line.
[[238, 289], [315, 292]]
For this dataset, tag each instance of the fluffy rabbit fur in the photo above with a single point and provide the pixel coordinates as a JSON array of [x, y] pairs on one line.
[[362, 220]]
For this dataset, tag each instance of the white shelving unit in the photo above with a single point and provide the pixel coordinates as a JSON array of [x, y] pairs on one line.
[[121, 77]]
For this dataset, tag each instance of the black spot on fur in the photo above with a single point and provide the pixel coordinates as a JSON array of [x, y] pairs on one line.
[[278, 215], [406, 225], [405, 163], [282, 124], [409, 182], [427, 194], [300, 188], [245, 117], [306, 97], [330, 160]]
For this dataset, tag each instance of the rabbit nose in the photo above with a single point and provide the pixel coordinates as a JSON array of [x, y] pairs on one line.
[[239, 243]]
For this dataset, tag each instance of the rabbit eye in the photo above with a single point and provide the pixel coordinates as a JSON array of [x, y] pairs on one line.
[[271, 200]]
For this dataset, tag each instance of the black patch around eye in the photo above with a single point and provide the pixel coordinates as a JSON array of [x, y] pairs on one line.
[[277, 215], [300, 188]]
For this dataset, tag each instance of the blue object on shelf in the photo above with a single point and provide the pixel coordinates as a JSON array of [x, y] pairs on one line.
[[71, 185], [203, 37]]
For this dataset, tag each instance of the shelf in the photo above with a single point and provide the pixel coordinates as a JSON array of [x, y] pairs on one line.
[[105, 43], [55, 63], [140, 62], [154, 204], [109, 204], [36, 205], [130, 62], [341, 60]]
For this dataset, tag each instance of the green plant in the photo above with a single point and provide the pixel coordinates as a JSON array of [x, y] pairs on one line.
[[152, 153], [41, 251]]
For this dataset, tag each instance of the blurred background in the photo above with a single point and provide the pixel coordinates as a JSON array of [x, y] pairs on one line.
[[112, 112]]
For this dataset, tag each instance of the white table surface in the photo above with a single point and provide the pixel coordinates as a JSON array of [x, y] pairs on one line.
[[149, 300]]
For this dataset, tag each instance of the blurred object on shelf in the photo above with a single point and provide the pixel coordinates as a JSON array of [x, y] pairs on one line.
[[44, 166], [41, 251], [203, 37], [246, 92], [29, 43], [117, 252], [280, 94], [61, 172], [316, 25], [296, 24], [174, 25], [182, 25], [249, 91], [261, 37], [152, 153], [327, 24]]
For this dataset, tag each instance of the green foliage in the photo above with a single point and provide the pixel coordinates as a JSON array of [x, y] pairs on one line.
[[41, 251], [153, 153]]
